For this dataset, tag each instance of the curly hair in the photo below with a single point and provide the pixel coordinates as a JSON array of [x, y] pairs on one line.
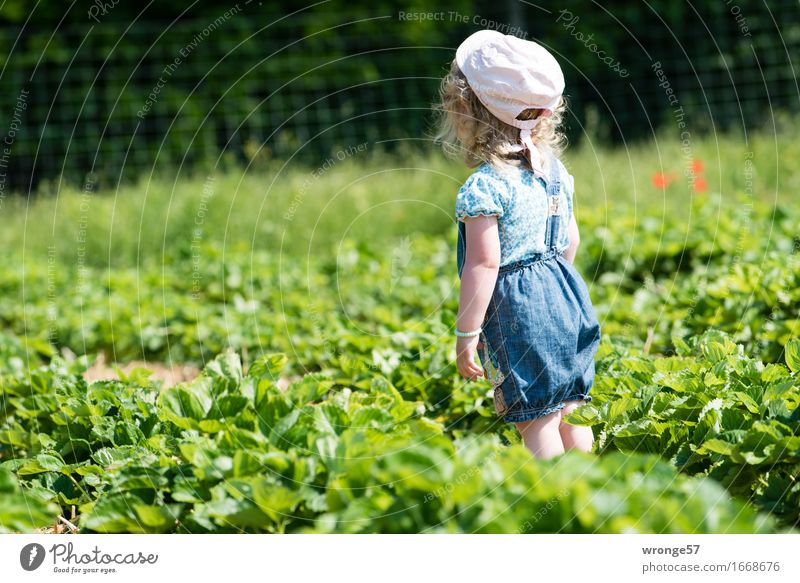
[[467, 129]]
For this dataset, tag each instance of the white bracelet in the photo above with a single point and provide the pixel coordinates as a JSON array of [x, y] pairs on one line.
[[468, 334]]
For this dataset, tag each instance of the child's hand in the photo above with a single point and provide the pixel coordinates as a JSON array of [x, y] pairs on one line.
[[466, 348]]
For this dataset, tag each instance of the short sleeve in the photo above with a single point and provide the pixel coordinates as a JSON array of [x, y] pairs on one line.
[[481, 194]]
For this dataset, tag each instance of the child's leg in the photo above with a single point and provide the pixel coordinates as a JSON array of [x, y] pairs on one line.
[[541, 436], [575, 436]]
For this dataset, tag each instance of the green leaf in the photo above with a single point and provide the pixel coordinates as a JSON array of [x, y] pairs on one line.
[[211, 425], [125, 513], [276, 501], [229, 511], [793, 354], [307, 390], [246, 463], [228, 407], [22, 511], [714, 351], [643, 435], [126, 433], [158, 518], [681, 347], [226, 366], [584, 415], [8, 483], [268, 366], [113, 457], [747, 401], [41, 463], [717, 446], [186, 404]]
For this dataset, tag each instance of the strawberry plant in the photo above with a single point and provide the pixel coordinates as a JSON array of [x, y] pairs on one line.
[[232, 452], [711, 410]]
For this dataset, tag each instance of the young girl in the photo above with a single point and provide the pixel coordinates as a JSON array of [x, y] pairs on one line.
[[523, 306]]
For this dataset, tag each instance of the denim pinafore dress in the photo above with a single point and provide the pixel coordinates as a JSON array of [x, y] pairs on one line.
[[540, 333]]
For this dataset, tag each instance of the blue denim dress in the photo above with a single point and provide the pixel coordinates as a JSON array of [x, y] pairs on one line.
[[540, 333]]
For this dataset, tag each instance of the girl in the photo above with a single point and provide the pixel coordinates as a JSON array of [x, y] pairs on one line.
[[523, 306]]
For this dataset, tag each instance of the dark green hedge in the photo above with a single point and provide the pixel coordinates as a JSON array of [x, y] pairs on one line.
[[264, 82]]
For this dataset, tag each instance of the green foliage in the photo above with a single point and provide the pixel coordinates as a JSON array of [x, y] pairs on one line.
[[738, 272], [275, 79], [229, 452], [206, 84], [329, 400], [23, 509], [711, 410]]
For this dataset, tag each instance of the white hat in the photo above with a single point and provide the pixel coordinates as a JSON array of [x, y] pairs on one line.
[[509, 75]]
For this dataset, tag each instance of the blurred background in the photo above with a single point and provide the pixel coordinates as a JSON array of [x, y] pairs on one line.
[[113, 89]]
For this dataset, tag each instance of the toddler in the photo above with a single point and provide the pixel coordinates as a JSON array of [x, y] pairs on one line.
[[523, 306]]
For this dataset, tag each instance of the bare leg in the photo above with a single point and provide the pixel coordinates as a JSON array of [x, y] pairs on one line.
[[542, 436], [575, 436]]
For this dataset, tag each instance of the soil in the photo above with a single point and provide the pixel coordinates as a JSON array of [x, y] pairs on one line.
[[168, 375]]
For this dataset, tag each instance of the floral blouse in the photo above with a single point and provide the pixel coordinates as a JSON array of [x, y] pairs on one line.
[[519, 200]]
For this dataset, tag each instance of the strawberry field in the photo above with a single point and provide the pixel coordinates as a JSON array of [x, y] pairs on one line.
[[329, 400]]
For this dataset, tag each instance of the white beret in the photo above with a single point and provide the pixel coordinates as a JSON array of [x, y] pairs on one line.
[[509, 75]]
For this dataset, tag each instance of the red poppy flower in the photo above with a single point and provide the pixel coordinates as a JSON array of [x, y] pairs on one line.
[[661, 180], [700, 185], [697, 166]]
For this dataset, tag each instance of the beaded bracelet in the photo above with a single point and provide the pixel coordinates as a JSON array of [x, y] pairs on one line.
[[468, 334]]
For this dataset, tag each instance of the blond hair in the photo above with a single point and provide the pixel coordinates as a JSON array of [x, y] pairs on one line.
[[467, 128]]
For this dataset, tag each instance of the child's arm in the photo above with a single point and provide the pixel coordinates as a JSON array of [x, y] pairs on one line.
[[574, 240], [478, 279]]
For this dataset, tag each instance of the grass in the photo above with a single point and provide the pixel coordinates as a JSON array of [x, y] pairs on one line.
[[369, 196]]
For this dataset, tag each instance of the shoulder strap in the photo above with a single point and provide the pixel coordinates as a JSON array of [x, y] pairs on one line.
[[554, 179], [552, 229]]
